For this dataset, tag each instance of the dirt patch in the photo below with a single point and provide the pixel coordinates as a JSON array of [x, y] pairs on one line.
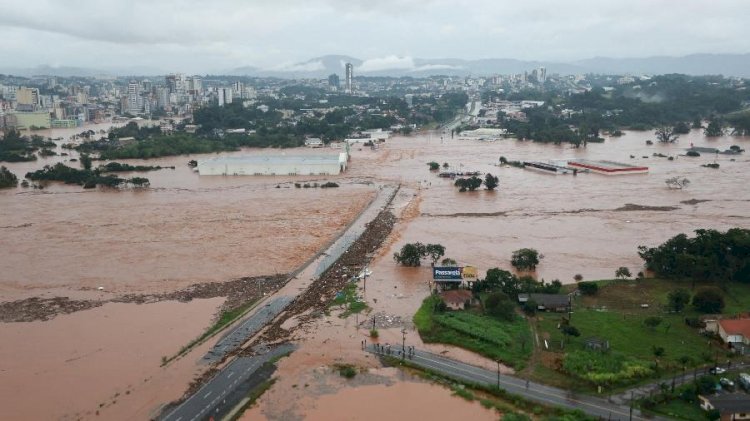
[[632, 207], [694, 201], [237, 291], [467, 214], [36, 308]]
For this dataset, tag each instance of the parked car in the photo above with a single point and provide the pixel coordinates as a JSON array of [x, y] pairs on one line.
[[717, 370], [745, 381], [726, 383]]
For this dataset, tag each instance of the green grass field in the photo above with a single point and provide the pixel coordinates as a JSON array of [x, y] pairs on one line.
[[616, 313], [509, 342]]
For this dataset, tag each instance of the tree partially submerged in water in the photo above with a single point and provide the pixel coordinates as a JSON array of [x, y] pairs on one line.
[[470, 184], [666, 134], [411, 254], [525, 259], [7, 178], [677, 182]]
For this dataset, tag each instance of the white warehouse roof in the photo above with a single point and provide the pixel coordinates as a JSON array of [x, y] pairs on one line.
[[274, 165]]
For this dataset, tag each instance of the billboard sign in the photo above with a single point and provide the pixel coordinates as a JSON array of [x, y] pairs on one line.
[[469, 272], [447, 273]]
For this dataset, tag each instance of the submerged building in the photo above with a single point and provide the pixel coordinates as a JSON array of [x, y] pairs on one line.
[[330, 164]]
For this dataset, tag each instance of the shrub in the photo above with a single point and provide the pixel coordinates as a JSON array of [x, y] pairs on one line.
[[434, 166], [347, 371], [374, 333], [588, 288], [578, 277], [692, 153], [708, 300]]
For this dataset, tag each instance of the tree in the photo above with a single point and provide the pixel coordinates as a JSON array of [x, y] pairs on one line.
[[652, 321], [708, 300], [578, 277], [139, 181], [681, 128], [85, 161], [434, 166], [445, 165], [677, 182], [666, 134], [435, 251], [588, 288], [569, 330], [525, 259], [678, 299], [658, 352], [622, 272], [470, 184], [7, 178], [714, 129], [490, 181], [449, 262], [410, 255], [497, 304], [530, 307]]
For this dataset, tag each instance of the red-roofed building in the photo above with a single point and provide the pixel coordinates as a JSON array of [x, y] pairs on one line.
[[735, 331]]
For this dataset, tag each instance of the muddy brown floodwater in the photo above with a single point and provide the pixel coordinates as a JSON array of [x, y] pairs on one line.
[[573, 220], [588, 224], [186, 229], [63, 241]]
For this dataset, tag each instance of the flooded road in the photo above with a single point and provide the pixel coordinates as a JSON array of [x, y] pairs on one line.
[[64, 241]]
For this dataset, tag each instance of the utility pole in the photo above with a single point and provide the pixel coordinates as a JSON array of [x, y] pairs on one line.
[[498, 373], [403, 343], [631, 406]]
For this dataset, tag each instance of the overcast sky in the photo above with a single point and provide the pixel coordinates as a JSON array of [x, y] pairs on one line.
[[213, 35]]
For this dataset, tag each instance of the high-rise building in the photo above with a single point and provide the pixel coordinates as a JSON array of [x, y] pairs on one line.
[[349, 81], [333, 82], [27, 98], [195, 85], [238, 89], [225, 96], [177, 83], [542, 75], [134, 97]]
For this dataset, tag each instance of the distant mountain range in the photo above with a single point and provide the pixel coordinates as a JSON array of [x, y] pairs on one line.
[[321, 67]]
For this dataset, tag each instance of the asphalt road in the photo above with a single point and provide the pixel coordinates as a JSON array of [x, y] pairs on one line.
[[530, 390], [244, 331], [212, 397]]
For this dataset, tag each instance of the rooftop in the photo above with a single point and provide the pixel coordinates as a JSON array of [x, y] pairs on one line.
[[274, 159], [736, 326]]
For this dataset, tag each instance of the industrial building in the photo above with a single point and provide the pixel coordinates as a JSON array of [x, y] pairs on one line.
[[607, 167], [330, 164]]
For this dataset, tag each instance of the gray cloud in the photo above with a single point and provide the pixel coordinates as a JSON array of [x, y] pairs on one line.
[[202, 36]]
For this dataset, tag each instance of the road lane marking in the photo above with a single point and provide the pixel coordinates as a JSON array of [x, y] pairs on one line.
[[207, 394], [230, 374]]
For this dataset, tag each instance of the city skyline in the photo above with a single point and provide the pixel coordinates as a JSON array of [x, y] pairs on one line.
[[188, 36]]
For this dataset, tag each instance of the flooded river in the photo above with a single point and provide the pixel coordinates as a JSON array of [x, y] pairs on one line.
[[64, 241]]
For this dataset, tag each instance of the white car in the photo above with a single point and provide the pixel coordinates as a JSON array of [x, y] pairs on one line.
[[725, 382], [717, 370]]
